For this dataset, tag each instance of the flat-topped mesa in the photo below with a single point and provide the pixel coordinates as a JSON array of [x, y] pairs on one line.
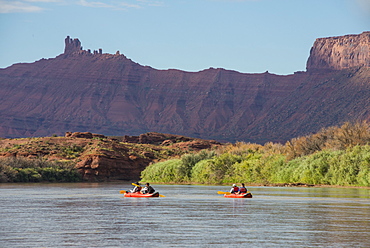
[[336, 53]]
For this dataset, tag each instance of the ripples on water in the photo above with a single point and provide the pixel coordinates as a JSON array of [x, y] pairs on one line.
[[96, 215]]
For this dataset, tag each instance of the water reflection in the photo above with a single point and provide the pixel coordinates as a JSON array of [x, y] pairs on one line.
[[96, 215]]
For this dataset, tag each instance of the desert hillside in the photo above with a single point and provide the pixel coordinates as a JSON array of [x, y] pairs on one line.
[[83, 90], [97, 157]]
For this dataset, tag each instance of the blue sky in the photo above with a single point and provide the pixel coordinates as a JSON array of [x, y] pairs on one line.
[[250, 36]]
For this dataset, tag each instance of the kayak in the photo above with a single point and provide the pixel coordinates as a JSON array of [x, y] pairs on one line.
[[246, 195], [129, 194]]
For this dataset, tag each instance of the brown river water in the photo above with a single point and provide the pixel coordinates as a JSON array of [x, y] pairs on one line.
[[96, 215]]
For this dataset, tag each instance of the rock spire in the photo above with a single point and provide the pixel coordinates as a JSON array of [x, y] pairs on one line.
[[72, 45]]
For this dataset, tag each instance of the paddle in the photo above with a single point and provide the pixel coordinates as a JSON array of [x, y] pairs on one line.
[[124, 191], [223, 193], [140, 186]]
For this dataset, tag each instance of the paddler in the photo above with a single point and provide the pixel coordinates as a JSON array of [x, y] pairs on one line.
[[137, 188], [147, 189], [234, 189], [242, 189]]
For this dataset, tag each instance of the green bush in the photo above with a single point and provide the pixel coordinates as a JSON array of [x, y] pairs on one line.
[[7, 173], [221, 168], [346, 168], [201, 171], [313, 169], [58, 174], [72, 151], [352, 167], [247, 170], [286, 172], [37, 170], [27, 175], [166, 172], [188, 161], [175, 170], [331, 167]]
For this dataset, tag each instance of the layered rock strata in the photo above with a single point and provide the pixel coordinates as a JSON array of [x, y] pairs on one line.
[[341, 52], [110, 94]]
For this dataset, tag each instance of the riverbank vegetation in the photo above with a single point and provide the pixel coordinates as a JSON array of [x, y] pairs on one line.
[[333, 156], [89, 157], [20, 169]]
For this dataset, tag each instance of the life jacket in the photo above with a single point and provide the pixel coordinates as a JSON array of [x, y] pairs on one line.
[[137, 189], [243, 190], [151, 190], [236, 189]]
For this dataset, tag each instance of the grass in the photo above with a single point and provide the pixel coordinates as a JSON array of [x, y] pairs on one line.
[[335, 156]]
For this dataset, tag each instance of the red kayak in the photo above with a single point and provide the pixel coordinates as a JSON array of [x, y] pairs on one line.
[[129, 194], [246, 195]]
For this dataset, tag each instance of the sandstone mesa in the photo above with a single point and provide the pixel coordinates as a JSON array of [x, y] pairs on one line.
[[83, 90]]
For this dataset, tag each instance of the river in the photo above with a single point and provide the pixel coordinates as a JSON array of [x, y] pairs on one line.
[[96, 215]]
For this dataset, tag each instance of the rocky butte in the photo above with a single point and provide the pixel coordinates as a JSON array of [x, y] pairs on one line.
[[83, 90], [339, 53]]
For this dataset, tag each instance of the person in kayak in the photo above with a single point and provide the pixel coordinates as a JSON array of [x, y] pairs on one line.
[[234, 189], [137, 188], [147, 189], [242, 189]]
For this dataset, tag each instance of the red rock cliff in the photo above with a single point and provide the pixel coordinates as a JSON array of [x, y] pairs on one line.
[[110, 94], [340, 52]]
